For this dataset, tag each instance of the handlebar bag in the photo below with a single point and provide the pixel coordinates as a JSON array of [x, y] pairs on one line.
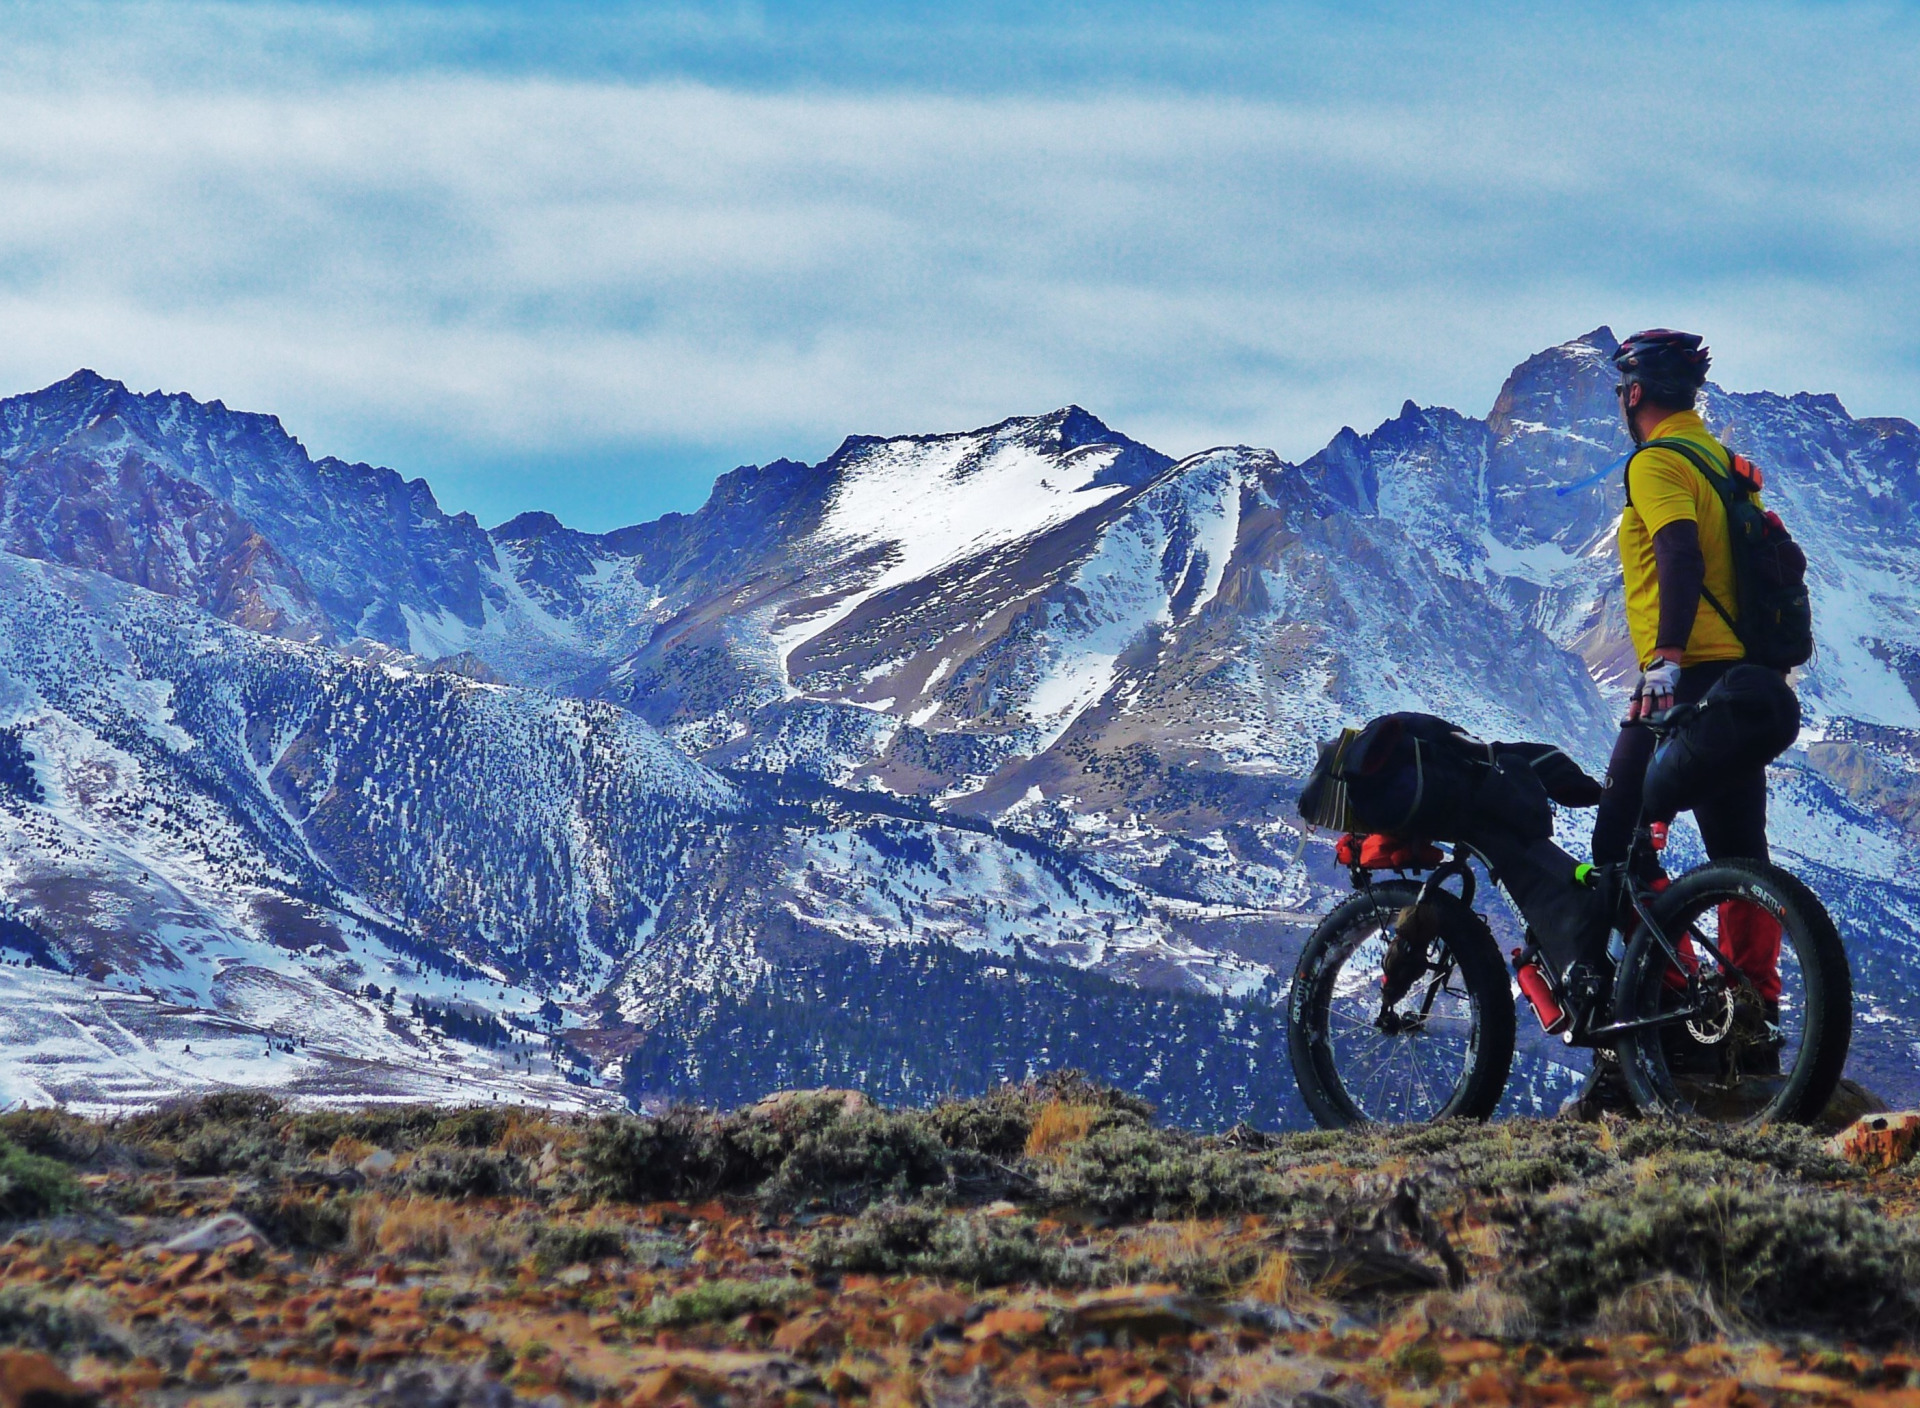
[[1749, 717]]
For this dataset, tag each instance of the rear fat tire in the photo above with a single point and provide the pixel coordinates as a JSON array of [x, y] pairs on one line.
[[1481, 970], [1808, 930]]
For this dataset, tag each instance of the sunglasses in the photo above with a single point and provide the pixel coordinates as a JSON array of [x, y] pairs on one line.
[[1621, 390]]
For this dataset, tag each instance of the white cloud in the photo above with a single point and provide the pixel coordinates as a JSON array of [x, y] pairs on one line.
[[500, 263]]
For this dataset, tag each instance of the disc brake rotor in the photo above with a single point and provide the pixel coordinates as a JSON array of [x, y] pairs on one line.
[[1713, 1024]]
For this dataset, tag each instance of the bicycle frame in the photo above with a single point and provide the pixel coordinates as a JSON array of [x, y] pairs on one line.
[[1622, 879]]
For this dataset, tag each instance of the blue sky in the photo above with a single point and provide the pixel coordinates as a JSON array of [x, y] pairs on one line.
[[584, 257]]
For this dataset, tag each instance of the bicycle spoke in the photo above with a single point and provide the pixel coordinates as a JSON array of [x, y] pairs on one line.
[[1370, 1102], [1418, 1061], [1383, 1075], [1392, 1088], [1406, 1063], [1409, 1074]]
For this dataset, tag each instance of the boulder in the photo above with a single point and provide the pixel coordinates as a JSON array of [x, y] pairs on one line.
[[1851, 1101], [1143, 1312], [1878, 1142], [210, 1236]]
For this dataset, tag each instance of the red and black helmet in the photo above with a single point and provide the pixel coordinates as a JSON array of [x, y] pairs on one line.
[[1664, 360]]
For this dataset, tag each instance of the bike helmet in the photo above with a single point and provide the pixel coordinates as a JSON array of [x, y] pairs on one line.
[[1671, 365]]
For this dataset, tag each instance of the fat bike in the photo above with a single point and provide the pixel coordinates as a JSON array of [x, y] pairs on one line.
[[1403, 1007]]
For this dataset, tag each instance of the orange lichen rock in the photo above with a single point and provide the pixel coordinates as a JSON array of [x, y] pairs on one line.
[[811, 1334], [675, 1382], [1009, 1324], [1878, 1142], [30, 1380]]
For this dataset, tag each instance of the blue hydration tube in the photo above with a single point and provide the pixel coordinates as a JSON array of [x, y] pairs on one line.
[[1593, 478]]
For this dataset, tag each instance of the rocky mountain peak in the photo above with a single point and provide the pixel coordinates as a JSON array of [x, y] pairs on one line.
[[1344, 472], [30, 421], [1071, 428], [1059, 435], [1555, 422], [534, 524], [345, 549], [1566, 385], [1074, 426], [1823, 401], [198, 440], [82, 385]]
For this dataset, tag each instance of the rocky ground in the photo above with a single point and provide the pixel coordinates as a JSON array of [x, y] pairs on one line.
[[1046, 1243]]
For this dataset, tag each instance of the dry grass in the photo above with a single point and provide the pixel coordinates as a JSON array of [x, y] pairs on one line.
[[1482, 1311], [1676, 1311], [1278, 1282], [1162, 1249], [348, 1151], [1058, 1127], [433, 1229], [529, 1134], [1273, 1375]]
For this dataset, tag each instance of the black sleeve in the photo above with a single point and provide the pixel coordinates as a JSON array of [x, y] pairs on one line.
[[1682, 570]]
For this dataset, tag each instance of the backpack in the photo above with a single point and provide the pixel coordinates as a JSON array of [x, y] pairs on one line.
[[1769, 568]]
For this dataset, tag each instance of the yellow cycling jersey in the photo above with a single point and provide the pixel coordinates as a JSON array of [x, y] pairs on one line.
[[1665, 487]]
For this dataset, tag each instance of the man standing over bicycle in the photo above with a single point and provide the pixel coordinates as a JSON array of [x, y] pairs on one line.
[[1677, 562]]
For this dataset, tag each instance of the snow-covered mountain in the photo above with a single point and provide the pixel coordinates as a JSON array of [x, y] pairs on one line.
[[236, 840], [1005, 721]]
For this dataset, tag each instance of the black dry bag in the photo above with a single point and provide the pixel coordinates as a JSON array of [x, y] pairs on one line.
[[1421, 777], [1401, 775]]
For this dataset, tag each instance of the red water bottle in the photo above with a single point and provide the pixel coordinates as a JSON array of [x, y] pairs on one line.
[[1533, 982], [1657, 832]]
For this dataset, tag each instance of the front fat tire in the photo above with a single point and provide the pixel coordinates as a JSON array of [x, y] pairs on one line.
[[1823, 966], [1482, 970]]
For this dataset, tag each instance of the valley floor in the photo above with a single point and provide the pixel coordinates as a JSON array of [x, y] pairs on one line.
[[101, 1051], [1045, 1243]]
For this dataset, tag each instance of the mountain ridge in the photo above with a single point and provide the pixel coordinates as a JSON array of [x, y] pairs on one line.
[[1040, 626]]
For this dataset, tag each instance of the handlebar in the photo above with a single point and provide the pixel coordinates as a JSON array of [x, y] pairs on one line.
[[1665, 722]]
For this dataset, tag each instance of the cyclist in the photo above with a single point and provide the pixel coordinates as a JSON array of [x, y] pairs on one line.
[[1673, 542]]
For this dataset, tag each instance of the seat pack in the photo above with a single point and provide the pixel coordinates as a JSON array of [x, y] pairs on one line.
[[1420, 777]]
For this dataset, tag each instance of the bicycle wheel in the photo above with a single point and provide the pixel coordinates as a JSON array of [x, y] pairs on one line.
[[1440, 1050], [1744, 1055]]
